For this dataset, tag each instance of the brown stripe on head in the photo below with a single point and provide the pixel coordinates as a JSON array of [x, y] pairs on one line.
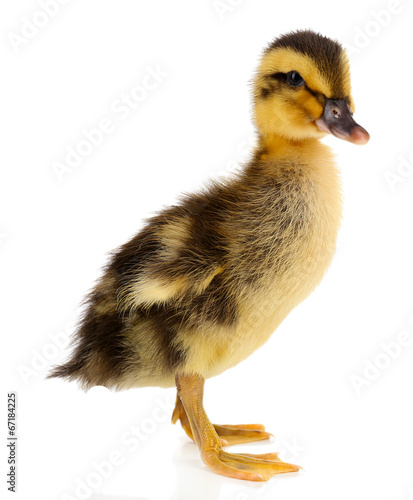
[[328, 56]]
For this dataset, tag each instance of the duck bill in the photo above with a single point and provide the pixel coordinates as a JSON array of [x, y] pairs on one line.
[[338, 120]]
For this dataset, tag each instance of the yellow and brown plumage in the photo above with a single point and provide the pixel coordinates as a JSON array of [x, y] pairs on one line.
[[208, 280]]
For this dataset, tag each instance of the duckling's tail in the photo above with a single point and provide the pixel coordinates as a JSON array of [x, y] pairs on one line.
[[99, 346], [70, 370]]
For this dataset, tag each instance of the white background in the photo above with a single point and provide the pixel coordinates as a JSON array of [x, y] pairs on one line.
[[55, 236]]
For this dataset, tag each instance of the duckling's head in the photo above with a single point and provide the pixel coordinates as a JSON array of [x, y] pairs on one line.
[[302, 90]]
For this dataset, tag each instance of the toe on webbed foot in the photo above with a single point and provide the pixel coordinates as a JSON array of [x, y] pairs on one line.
[[246, 466], [243, 433]]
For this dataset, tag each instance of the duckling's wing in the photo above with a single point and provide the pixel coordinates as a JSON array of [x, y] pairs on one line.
[[163, 263]]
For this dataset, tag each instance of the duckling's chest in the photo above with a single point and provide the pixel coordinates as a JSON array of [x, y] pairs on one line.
[[299, 236], [290, 232], [289, 249]]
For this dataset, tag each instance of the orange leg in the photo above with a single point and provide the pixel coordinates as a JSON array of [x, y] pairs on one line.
[[229, 434], [210, 439]]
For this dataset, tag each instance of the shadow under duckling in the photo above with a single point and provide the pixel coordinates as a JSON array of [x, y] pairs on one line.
[[207, 281]]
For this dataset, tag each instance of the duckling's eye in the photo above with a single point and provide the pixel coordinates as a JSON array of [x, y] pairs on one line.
[[295, 79]]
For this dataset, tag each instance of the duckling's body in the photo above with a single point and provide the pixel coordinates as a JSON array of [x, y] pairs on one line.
[[206, 282], [209, 280]]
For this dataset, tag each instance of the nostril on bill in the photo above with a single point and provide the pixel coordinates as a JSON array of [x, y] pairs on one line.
[[336, 112]]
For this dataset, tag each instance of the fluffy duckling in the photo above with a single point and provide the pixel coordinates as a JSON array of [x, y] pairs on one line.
[[207, 281]]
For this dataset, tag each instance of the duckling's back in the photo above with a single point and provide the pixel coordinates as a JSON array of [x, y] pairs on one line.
[[207, 281]]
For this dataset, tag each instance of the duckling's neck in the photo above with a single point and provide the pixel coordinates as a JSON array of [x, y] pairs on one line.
[[271, 147]]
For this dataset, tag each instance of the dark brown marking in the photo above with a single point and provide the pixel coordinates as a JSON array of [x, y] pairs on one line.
[[326, 53]]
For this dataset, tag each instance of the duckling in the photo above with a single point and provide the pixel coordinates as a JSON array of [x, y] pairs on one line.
[[208, 280]]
